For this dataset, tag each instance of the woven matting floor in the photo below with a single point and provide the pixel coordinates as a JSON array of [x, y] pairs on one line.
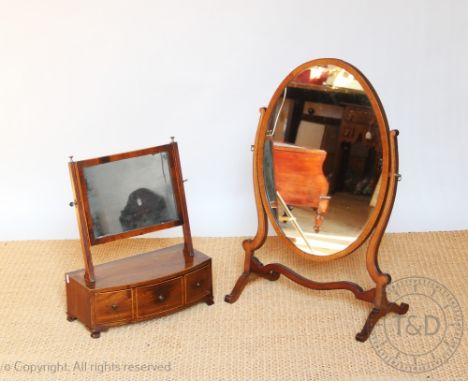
[[276, 330]]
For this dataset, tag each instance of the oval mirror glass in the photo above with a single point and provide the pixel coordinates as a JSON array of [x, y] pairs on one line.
[[325, 149]]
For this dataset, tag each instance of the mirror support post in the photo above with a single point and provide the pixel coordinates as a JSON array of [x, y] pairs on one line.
[[251, 263], [181, 202], [381, 305], [383, 279], [84, 235]]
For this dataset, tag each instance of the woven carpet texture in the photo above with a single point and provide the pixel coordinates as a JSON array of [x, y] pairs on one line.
[[275, 331]]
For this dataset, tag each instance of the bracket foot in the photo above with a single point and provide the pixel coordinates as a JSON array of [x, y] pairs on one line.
[[238, 288], [375, 315], [209, 300]]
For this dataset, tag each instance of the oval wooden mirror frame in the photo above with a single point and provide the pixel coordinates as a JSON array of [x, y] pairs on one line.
[[373, 230], [384, 141]]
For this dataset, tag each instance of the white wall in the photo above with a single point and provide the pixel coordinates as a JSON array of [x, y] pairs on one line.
[[91, 78]]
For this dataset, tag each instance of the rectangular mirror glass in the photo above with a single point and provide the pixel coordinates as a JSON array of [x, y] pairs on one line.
[[130, 194]]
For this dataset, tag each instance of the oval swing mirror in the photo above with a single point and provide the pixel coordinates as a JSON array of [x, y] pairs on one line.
[[324, 171]]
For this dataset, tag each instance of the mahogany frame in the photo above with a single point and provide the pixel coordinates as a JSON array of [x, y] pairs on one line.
[[85, 221], [373, 230]]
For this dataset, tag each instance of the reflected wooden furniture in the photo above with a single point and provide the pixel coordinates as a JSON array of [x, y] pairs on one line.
[[299, 178], [354, 125], [358, 128], [139, 287]]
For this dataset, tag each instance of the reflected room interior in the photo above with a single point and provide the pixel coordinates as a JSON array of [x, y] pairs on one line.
[[322, 160]]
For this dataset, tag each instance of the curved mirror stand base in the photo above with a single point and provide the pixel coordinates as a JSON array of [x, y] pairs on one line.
[[376, 296], [272, 272]]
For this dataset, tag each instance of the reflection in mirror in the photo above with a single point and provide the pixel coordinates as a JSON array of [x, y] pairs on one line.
[[130, 193], [322, 159]]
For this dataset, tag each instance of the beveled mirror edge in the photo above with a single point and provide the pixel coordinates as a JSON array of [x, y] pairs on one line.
[[384, 137]]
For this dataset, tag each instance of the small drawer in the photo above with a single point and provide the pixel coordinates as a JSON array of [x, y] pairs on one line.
[[198, 284], [159, 298], [113, 306], [358, 115]]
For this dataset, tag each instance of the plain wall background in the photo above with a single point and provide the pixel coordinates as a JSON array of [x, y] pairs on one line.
[[91, 78]]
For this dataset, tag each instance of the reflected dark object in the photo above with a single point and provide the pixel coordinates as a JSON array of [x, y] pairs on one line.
[[268, 170], [144, 208], [128, 194]]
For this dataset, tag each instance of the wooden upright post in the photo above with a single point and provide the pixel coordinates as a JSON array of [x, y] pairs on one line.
[[188, 246], [82, 227]]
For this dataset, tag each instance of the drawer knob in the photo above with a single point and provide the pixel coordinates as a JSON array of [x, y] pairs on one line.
[[114, 306], [161, 297], [198, 284]]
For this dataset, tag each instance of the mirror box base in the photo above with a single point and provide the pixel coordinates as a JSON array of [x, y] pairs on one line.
[[160, 282], [143, 286], [376, 296]]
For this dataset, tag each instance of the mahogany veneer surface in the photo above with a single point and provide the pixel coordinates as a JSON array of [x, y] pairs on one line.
[[139, 287], [160, 264]]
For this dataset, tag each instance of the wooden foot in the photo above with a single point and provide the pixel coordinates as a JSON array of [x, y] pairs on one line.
[[256, 267], [209, 300], [375, 315], [70, 318], [321, 211], [95, 334], [238, 288], [401, 309]]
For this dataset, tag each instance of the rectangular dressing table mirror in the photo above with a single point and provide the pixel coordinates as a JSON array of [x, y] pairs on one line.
[[121, 196]]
